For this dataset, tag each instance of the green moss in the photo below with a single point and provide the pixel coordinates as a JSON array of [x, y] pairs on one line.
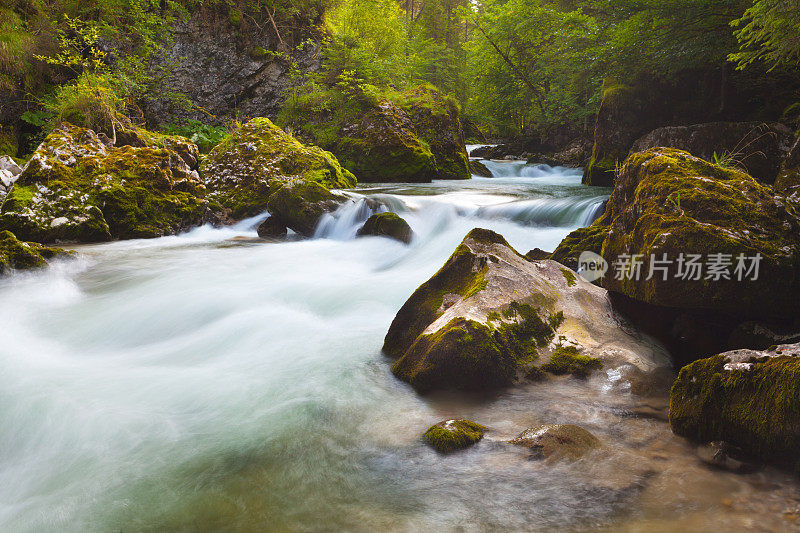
[[452, 435], [590, 239], [569, 276], [568, 360], [8, 141], [234, 16], [18, 255], [757, 409], [257, 159]]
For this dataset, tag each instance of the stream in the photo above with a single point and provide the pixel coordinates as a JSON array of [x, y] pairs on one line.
[[212, 381]]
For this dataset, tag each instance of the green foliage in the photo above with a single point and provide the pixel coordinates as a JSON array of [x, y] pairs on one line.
[[205, 136], [769, 31], [93, 101]]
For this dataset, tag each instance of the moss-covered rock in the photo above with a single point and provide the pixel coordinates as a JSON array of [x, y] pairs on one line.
[[589, 239], [621, 119], [259, 158], [487, 316], [568, 360], [667, 201], [387, 225], [557, 441], [745, 397], [19, 255], [479, 169], [272, 228], [436, 119], [300, 204], [76, 187], [452, 435], [758, 148], [414, 136]]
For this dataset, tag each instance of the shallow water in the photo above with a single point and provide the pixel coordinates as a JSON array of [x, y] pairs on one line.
[[199, 382]]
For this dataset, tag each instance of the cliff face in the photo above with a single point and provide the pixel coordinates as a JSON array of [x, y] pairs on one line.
[[232, 64]]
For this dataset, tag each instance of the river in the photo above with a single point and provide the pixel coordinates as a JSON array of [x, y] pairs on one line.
[[212, 381]]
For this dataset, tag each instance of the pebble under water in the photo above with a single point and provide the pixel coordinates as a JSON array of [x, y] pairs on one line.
[[205, 381]]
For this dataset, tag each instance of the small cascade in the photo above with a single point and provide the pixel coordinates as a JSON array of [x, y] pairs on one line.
[[343, 223], [548, 212]]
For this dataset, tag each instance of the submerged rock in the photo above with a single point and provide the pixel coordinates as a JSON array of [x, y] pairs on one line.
[[19, 255], [725, 456], [558, 441], [758, 148], [451, 435], [76, 188], [387, 225], [258, 159], [483, 320], [748, 398]]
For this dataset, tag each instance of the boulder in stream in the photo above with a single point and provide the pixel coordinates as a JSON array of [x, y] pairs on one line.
[[748, 398], [387, 225], [19, 255], [300, 204], [75, 187], [477, 168], [557, 441], [486, 318], [452, 435], [258, 159]]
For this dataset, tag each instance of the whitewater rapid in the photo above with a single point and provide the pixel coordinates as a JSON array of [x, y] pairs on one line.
[[213, 381]]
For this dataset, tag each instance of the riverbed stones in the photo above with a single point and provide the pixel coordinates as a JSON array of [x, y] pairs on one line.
[[75, 187], [748, 398], [477, 168], [258, 159], [489, 315], [451, 435], [387, 225], [557, 441]]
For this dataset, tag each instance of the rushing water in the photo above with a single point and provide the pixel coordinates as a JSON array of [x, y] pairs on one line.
[[209, 382]]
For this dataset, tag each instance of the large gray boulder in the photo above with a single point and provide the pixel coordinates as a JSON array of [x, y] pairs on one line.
[[491, 316]]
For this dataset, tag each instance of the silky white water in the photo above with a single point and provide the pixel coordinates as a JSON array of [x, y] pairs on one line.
[[204, 382]]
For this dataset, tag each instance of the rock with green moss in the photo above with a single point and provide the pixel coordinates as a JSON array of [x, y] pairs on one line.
[[19, 255], [490, 314], [557, 441], [568, 360], [387, 225], [300, 204], [477, 168], [243, 171], [436, 119], [758, 148], [667, 202], [589, 239], [76, 187], [621, 119], [452, 435], [413, 136], [748, 398]]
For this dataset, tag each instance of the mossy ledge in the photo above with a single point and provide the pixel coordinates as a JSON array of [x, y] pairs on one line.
[[451, 435], [568, 360], [19, 255], [745, 397]]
